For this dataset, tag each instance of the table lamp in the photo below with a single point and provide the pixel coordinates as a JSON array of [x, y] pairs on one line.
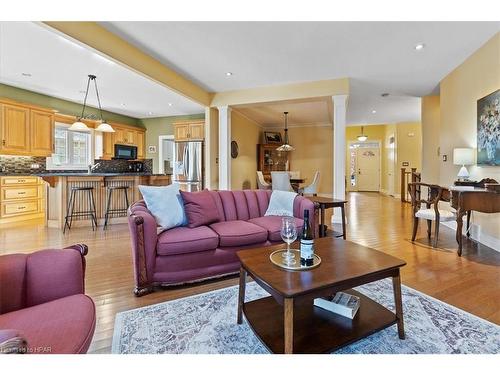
[[463, 157]]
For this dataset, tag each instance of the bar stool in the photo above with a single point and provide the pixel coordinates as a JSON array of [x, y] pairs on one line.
[[119, 210], [70, 210]]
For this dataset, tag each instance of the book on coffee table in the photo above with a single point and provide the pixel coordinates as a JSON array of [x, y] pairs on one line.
[[340, 303]]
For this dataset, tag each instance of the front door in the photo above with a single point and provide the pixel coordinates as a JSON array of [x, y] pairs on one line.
[[368, 163]]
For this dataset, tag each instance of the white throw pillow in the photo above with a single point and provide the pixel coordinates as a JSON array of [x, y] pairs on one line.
[[281, 203], [165, 204]]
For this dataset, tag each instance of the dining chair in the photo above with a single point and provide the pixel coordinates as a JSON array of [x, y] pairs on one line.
[[313, 187], [431, 212], [281, 181], [261, 182]]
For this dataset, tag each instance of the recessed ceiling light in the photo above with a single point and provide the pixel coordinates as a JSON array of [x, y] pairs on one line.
[[373, 111], [150, 113], [170, 104], [122, 104], [26, 74], [229, 74], [420, 46]]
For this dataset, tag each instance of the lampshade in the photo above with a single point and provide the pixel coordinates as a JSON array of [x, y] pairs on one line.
[[362, 137], [463, 156], [286, 146], [105, 128], [79, 126]]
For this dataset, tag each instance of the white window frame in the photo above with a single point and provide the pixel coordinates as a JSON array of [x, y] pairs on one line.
[[90, 156]]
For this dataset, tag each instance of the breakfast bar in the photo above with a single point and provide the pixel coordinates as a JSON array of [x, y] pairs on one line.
[[59, 187]]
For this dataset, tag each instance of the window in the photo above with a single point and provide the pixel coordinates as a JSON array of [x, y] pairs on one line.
[[72, 149]]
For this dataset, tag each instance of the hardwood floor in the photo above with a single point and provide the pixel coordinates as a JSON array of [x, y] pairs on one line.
[[471, 282]]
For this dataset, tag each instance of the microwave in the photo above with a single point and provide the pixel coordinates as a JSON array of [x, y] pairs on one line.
[[125, 152]]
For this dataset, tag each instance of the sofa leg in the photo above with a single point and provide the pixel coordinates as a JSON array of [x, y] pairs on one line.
[[142, 291]]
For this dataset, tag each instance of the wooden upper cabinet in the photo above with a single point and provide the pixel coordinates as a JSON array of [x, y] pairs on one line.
[[141, 144], [189, 131], [108, 146], [42, 133], [15, 130]]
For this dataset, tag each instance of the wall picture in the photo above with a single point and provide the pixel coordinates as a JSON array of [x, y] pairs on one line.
[[273, 137], [488, 129]]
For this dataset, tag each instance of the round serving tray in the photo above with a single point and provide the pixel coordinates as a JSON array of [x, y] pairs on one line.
[[277, 259]]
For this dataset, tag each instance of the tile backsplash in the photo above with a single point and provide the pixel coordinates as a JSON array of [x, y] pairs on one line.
[[21, 164], [34, 164]]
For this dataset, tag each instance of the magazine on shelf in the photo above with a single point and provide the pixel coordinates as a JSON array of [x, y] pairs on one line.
[[340, 303]]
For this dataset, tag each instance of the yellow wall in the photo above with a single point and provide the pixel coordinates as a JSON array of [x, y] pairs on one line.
[[408, 148], [244, 168], [431, 126], [313, 152], [389, 161], [475, 78]]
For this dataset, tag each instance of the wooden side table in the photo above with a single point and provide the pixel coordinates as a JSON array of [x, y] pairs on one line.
[[325, 203]]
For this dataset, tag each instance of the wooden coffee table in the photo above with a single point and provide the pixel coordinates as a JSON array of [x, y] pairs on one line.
[[288, 322]]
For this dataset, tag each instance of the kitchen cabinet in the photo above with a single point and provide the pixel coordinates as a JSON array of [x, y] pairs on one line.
[[141, 144], [189, 131], [41, 133], [123, 135], [15, 130], [26, 130], [21, 198]]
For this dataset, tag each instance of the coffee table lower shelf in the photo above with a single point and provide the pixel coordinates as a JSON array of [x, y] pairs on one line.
[[315, 330]]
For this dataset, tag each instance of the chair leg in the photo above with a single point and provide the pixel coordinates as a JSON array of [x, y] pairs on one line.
[[429, 229], [106, 215], [68, 207], [92, 222], [436, 234], [126, 199], [73, 196], [415, 228]]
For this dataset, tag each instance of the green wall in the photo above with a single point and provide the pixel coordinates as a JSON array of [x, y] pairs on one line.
[[161, 126], [63, 106]]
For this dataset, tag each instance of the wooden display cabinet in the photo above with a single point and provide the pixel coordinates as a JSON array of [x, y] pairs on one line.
[[270, 160]]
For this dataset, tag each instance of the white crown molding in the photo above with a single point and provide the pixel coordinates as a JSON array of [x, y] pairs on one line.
[[248, 118], [305, 125]]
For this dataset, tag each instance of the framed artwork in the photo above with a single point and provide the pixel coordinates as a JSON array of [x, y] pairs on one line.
[[488, 129], [152, 149], [272, 137]]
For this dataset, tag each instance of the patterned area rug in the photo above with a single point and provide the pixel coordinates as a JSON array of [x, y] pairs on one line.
[[206, 323]]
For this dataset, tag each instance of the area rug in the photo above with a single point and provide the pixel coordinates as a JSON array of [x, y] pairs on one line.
[[206, 323]]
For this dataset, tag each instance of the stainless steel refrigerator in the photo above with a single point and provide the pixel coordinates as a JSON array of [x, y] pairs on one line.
[[188, 165]]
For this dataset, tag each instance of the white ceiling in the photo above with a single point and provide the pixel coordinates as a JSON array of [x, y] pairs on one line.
[[59, 67], [378, 56]]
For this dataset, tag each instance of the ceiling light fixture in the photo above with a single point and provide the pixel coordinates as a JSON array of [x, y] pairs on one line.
[[150, 113], [420, 46], [78, 125], [229, 74], [374, 111], [362, 137], [286, 146], [170, 104]]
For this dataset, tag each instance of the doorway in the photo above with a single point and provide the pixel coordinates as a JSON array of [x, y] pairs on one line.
[[165, 154], [364, 158]]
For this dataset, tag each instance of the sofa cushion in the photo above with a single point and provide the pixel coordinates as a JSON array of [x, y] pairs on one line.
[[200, 208], [272, 224], [182, 240], [239, 233], [65, 325]]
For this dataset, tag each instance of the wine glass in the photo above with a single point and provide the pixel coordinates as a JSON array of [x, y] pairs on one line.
[[289, 235]]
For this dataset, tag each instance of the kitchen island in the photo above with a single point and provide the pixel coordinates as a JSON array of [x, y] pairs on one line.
[[59, 190]]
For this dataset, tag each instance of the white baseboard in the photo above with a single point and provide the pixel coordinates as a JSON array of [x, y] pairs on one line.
[[477, 235]]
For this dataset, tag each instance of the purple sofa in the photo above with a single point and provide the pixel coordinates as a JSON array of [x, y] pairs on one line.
[[43, 308], [184, 255]]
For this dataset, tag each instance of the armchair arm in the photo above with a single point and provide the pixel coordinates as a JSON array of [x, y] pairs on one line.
[[144, 237], [12, 342], [53, 274], [307, 204]]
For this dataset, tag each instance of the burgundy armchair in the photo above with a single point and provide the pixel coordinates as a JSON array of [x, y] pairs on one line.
[[43, 308]]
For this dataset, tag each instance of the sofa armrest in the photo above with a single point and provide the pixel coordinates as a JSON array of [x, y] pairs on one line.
[[53, 274], [12, 342], [144, 237]]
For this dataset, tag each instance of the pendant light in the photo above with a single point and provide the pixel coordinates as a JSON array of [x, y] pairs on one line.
[[286, 146], [81, 126], [362, 137]]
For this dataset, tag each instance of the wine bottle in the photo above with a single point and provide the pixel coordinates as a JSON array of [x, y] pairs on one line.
[[306, 242]]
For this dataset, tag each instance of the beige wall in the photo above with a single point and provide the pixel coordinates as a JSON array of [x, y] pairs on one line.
[[161, 126], [475, 78], [431, 128], [244, 168], [408, 148], [313, 152]]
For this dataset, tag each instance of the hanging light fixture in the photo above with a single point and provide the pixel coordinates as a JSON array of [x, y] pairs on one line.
[[362, 137], [286, 146], [81, 126]]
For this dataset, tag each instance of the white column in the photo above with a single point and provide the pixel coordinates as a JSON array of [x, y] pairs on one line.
[[208, 150], [339, 150], [224, 147]]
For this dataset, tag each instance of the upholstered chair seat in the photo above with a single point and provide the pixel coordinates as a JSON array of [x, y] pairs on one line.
[[430, 214]]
